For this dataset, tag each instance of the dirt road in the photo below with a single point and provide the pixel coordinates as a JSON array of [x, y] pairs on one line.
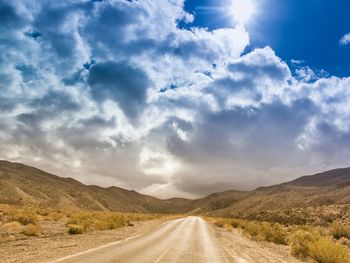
[[184, 240]]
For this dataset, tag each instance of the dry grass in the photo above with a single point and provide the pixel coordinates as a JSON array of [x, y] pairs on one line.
[[313, 215], [308, 243], [305, 241], [18, 220], [103, 220], [22, 216], [32, 230], [300, 241], [11, 227], [259, 231], [339, 230], [324, 250]]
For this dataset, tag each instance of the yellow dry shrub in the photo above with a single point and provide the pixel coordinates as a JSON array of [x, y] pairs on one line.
[[308, 243], [32, 230], [300, 242], [325, 250], [105, 220], [25, 217], [55, 216], [11, 227], [272, 233], [251, 228], [339, 230]]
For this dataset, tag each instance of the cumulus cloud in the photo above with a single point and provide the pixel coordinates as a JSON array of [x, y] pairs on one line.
[[116, 92], [345, 40]]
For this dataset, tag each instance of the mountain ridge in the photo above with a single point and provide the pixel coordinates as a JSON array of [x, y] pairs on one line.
[[26, 185]]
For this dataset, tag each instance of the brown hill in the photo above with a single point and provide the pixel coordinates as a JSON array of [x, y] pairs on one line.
[[337, 177], [328, 188], [25, 185]]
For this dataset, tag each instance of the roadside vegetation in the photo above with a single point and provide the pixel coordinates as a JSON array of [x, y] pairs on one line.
[[80, 222], [324, 244], [17, 222]]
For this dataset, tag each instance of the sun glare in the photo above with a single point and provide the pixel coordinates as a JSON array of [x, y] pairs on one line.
[[242, 10]]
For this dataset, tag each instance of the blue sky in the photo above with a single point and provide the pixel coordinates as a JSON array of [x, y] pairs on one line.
[[173, 97], [296, 29]]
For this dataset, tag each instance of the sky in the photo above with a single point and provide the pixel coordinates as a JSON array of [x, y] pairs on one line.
[[176, 98]]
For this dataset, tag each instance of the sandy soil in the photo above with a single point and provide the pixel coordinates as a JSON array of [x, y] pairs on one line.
[[55, 243]]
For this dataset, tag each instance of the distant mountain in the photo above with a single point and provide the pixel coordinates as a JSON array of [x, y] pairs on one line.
[[337, 177], [24, 185], [327, 188]]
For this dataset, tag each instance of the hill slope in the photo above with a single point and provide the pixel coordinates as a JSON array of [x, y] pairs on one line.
[[328, 188], [25, 185]]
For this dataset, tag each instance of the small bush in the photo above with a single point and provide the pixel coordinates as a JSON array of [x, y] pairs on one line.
[[311, 244], [55, 216], [22, 216], [324, 250], [235, 223], [75, 229], [32, 230], [339, 230], [251, 228], [11, 227], [260, 231], [219, 223], [272, 233], [300, 242], [98, 220]]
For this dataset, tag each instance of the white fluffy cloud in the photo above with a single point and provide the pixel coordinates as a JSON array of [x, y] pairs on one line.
[[345, 40], [116, 92]]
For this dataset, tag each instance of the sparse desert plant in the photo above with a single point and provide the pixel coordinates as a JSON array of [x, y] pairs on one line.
[[42, 212], [265, 231], [25, 217], [235, 223], [11, 227], [272, 233], [55, 216], [300, 242], [75, 229], [339, 230], [325, 250], [219, 222], [104, 220], [32, 230], [251, 228]]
